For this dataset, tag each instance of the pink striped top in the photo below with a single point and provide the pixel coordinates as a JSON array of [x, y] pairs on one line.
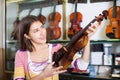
[[26, 69]]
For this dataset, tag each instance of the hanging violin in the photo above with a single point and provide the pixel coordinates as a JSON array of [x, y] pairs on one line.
[[75, 19], [113, 29], [65, 55], [14, 34], [53, 30], [41, 17]]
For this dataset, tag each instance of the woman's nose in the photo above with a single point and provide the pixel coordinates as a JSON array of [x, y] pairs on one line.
[[43, 31]]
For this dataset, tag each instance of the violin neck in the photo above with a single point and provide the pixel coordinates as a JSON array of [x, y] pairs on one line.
[[40, 10], [81, 33], [40, 13], [114, 9], [75, 13], [54, 10]]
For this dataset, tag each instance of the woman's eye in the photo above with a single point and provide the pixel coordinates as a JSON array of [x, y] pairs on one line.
[[36, 30]]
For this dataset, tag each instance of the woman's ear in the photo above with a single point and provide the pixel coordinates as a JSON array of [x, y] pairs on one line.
[[26, 36]]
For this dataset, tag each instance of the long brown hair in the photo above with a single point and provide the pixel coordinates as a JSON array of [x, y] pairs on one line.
[[24, 27]]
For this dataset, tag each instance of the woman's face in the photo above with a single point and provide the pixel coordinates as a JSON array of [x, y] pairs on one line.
[[37, 33]]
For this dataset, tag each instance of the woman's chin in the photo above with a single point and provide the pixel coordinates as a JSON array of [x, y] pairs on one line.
[[43, 41]]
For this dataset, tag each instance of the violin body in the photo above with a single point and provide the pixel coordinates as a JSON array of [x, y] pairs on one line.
[[78, 18], [54, 20], [53, 30], [53, 33], [113, 29], [65, 55], [117, 12], [75, 24]]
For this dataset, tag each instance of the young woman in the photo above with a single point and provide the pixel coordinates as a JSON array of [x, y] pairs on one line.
[[33, 60]]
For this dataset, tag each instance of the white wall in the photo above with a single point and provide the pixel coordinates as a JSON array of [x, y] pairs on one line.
[[89, 11]]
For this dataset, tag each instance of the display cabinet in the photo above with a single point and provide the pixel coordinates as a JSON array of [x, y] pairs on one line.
[[105, 57], [105, 49]]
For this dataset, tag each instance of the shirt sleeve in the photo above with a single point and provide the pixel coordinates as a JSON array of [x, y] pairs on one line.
[[79, 64], [19, 67]]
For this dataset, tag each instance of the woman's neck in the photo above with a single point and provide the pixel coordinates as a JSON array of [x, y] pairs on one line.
[[40, 53], [41, 47]]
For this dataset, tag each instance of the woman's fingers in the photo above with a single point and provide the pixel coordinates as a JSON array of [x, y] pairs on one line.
[[58, 70], [93, 28], [50, 65], [54, 70], [50, 70]]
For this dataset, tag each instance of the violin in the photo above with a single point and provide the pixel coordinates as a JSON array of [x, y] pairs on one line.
[[113, 29], [14, 34], [53, 30], [65, 55], [41, 17], [75, 19]]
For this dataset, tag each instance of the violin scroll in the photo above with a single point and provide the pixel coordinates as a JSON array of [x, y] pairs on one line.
[[102, 16]]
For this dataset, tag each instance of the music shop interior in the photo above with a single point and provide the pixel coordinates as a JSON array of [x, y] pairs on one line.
[[69, 20]]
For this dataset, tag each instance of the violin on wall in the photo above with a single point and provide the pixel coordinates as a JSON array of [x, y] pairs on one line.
[[65, 55], [14, 34], [53, 30], [41, 17], [113, 29], [75, 19]]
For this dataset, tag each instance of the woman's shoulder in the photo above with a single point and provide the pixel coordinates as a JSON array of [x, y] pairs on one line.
[[21, 58], [56, 47], [21, 53]]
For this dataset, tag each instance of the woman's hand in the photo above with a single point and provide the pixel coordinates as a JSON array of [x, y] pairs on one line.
[[50, 70], [93, 28]]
